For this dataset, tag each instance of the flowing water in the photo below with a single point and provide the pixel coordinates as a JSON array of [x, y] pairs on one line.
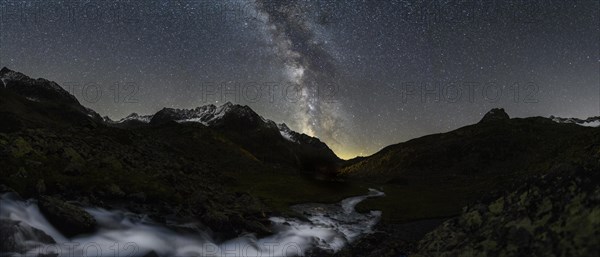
[[328, 227]]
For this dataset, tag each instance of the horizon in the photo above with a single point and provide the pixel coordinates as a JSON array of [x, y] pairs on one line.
[[339, 154]]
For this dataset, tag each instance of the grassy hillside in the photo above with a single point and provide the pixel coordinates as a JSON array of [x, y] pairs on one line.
[[435, 175]]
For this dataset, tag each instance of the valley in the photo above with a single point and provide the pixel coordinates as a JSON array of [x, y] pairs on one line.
[[236, 173]]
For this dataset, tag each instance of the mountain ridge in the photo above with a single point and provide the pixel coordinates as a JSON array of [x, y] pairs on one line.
[[593, 121], [206, 115], [266, 140], [496, 126]]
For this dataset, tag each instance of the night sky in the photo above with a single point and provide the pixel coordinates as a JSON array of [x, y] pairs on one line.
[[359, 75]]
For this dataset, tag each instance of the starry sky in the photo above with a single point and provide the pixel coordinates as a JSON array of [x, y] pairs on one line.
[[360, 75]]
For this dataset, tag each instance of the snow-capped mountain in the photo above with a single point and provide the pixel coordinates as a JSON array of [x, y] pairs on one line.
[[589, 122], [265, 139], [213, 116], [136, 117], [209, 115], [287, 133]]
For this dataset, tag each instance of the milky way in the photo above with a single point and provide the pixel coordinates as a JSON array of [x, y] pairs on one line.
[[310, 68], [360, 75]]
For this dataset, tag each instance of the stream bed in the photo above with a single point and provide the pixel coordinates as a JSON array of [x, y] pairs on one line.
[[327, 226]]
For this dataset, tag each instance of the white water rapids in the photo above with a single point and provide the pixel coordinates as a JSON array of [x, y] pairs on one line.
[[119, 233]]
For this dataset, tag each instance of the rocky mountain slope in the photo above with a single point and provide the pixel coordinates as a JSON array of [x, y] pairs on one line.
[[267, 141], [535, 180], [557, 214], [37, 103], [435, 175]]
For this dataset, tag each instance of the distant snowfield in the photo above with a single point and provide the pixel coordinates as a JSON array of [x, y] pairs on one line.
[[589, 122]]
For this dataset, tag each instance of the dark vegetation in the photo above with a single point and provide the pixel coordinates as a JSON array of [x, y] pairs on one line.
[[434, 176]]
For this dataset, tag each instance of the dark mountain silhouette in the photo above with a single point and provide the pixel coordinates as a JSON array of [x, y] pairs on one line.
[[496, 146], [35, 103]]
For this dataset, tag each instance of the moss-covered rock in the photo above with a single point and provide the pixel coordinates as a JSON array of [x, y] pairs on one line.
[[554, 215], [72, 155], [114, 191], [20, 147], [497, 207]]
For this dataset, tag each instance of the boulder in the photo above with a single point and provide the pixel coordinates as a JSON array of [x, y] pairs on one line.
[[67, 218], [14, 234]]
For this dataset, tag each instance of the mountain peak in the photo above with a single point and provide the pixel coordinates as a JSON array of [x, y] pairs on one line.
[[50, 93], [5, 70], [494, 115], [287, 133], [206, 114], [7, 73], [39, 89], [283, 126]]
